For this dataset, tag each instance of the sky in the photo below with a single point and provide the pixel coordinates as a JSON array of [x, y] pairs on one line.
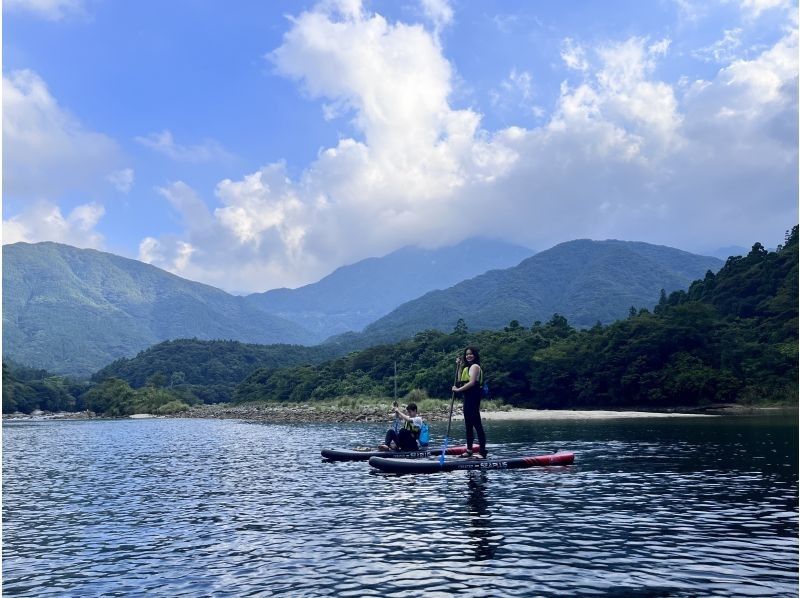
[[254, 145]]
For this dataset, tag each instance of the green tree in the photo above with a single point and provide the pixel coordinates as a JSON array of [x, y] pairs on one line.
[[111, 397]]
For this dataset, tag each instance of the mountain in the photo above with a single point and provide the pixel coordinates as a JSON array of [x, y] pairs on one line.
[[72, 311], [585, 281], [355, 295], [724, 253]]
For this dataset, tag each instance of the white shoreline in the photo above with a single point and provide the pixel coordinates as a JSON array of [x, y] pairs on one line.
[[540, 414]]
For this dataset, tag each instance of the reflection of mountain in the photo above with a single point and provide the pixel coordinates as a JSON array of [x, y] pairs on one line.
[[482, 540]]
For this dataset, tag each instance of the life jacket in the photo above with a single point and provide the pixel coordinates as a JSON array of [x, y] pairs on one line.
[[465, 375], [421, 434], [409, 425], [483, 386]]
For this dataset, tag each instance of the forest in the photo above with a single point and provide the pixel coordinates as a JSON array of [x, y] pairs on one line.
[[731, 337]]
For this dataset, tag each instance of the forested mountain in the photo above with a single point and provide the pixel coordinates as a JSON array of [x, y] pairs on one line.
[[585, 281], [208, 369], [733, 336], [353, 296], [72, 311]]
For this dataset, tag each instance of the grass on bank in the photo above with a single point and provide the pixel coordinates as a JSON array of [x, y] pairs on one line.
[[360, 403]]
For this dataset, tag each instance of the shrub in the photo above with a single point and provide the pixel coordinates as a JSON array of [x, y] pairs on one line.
[[172, 407]]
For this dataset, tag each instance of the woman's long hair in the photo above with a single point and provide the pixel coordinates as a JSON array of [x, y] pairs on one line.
[[477, 355]]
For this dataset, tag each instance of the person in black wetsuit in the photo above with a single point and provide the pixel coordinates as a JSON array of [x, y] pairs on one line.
[[471, 381]]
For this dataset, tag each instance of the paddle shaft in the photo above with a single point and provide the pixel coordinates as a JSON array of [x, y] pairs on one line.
[[450, 418]]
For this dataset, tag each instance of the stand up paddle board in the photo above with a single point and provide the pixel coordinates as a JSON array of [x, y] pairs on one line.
[[364, 455], [389, 465]]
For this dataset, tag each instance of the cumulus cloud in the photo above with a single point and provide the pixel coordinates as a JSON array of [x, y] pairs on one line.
[[164, 143], [623, 154], [45, 222], [47, 150]]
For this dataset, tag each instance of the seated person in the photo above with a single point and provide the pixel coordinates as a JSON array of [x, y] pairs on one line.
[[406, 438]]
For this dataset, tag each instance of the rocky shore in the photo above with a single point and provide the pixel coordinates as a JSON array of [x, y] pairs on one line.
[[256, 412], [322, 413], [305, 413]]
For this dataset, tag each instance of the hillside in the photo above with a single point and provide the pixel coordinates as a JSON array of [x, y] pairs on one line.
[[353, 296], [72, 311], [192, 361], [732, 337], [584, 281]]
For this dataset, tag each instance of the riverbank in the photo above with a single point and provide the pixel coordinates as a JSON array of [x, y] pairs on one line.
[[335, 413]]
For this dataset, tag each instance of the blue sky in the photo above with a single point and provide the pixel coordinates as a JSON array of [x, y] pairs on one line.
[[254, 145]]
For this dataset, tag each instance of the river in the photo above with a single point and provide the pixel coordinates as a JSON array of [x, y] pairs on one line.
[[173, 507]]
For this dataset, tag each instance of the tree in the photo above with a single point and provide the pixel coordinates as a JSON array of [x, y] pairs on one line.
[[111, 397], [461, 327]]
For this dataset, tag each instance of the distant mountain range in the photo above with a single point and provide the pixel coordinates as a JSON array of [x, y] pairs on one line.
[[585, 281], [73, 311], [356, 295]]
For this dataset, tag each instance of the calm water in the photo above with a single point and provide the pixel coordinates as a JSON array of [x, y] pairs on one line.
[[193, 507]]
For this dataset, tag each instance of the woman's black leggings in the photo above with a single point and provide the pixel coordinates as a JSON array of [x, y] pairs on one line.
[[472, 420]]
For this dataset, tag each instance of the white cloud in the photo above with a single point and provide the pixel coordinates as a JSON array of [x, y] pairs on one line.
[[173, 257], [621, 93], [192, 209], [439, 12], [122, 179], [573, 55], [754, 8], [724, 50], [47, 150], [52, 10], [164, 143], [43, 221], [515, 90], [622, 155], [691, 10], [520, 82]]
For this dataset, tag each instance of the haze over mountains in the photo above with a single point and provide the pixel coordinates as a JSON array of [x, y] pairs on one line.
[[353, 296], [73, 311]]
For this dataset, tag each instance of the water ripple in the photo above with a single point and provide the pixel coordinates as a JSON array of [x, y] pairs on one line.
[[195, 508]]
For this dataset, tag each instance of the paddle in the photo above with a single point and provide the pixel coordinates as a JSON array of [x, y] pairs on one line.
[[450, 419]]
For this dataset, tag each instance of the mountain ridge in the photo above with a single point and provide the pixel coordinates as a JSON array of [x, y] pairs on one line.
[[606, 287], [355, 295], [73, 310]]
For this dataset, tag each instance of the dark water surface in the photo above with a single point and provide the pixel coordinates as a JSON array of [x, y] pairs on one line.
[[668, 507]]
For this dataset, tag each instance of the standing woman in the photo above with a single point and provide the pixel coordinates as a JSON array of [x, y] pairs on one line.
[[470, 380]]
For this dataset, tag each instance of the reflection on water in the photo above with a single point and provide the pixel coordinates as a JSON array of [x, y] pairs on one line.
[[482, 541], [190, 507]]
